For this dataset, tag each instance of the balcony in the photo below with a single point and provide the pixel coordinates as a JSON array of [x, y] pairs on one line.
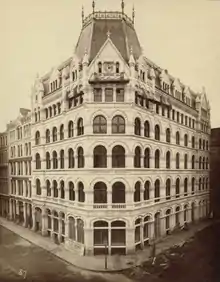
[[108, 78]]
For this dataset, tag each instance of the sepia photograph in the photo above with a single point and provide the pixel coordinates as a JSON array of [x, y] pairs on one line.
[[110, 140]]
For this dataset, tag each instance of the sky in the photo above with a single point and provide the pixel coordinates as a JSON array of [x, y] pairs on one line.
[[181, 36]]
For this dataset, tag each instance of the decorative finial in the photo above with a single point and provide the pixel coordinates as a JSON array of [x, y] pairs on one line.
[[93, 6], [131, 50], [82, 14], [133, 14], [108, 33], [122, 6]]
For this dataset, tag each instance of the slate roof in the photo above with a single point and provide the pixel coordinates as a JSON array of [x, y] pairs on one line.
[[94, 35]]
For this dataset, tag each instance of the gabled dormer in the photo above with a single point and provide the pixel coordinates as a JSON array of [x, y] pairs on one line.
[[55, 80], [186, 97], [177, 89], [165, 81]]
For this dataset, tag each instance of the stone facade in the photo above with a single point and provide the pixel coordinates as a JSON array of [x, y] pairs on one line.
[[19, 156], [119, 147]]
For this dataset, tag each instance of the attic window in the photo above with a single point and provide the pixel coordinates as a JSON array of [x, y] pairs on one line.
[[117, 67], [166, 87], [73, 75], [100, 67]]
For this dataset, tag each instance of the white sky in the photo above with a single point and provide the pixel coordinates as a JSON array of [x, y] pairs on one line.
[[182, 36]]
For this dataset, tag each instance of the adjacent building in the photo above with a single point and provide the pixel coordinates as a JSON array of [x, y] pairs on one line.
[[4, 192], [120, 147], [19, 157], [215, 172]]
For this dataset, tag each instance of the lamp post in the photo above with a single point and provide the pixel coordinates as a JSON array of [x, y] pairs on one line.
[[106, 252]]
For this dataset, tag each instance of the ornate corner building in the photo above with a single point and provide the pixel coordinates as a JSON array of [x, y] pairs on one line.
[[120, 147]]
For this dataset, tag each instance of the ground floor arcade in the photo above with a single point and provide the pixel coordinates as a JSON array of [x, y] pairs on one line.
[[94, 236]]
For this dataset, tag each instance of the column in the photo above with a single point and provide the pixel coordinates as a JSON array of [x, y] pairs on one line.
[[109, 240], [88, 241], [10, 209], [67, 193], [60, 229], [130, 245], [142, 234], [162, 226], [130, 198], [109, 198], [34, 219], [44, 223], [17, 211], [25, 215]]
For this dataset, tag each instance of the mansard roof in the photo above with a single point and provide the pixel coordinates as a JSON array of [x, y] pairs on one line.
[[96, 28]]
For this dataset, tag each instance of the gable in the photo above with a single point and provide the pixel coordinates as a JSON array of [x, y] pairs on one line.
[[204, 103], [177, 86], [109, 53], [165, 77]]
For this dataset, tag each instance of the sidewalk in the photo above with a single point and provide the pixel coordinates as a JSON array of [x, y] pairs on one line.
[[97, 263]]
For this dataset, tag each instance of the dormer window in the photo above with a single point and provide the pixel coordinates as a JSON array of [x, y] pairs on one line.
[[166, 87], [73, 75], [100, 67], [117, 67], [143, 76]]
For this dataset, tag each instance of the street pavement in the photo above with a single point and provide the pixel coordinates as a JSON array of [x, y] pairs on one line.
[[22, 261]]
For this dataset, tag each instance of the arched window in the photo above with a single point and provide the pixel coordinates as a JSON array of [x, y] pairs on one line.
[[203, 144], [177, 160], [185, 161], [177, 138], [118, 124], [147, 158], [193, 162], [193, 142], [168, 188], [177, 219], [147, 190], [55, 189], [118, 156], [137, 157], [185, 187], [157, 159], [137, 126], [168, 135], [207, 163], [55, 160], [118, 193], [177, 188], [157, 190], [100, 193], [81, 159], [80, 231], [62, 190], [38, 161], [168, 159], [137, 192], [203, 163], [46, 113], [100, 125], [193, 185], [80, 127], [100, 67], [100, 235], [47, 136], [200, 162], [54, 134], [146, 129], [70, 129], [200, 184], [117, 67], [157, 132], [207, 145], [37, 138], [71, 191], [186, 140], [71, 158], [48, 160], [61, 132], [100, 156], [38, 187], [81, 193], [72, 228], [200, 143], [167, 223], [48, 188], [62, 159]]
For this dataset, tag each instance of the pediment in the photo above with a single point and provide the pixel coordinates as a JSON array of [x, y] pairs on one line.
[[176, 85], [164, 76], [187, 91]]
